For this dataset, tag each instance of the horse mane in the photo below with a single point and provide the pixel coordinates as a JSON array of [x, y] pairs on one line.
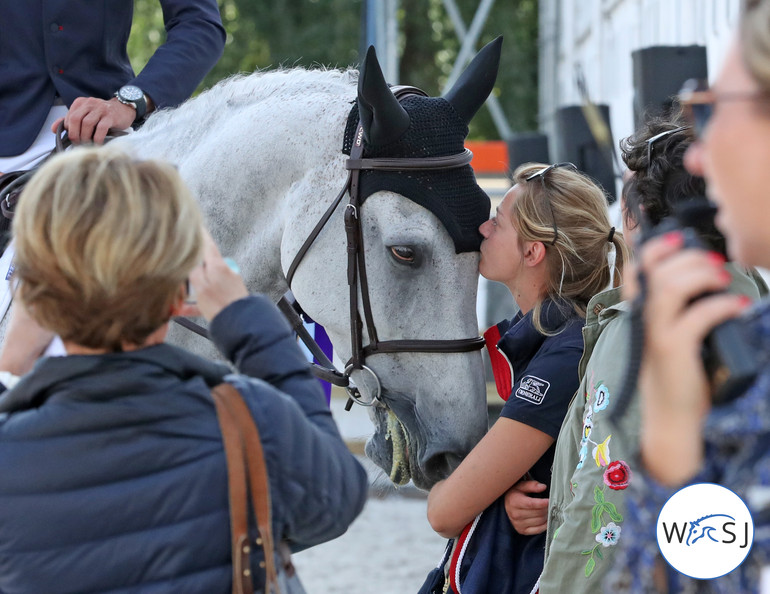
[[242, 90]]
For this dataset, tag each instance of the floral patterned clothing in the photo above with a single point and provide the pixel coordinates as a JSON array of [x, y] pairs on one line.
[[737, 456], [590, 471], [595, 466]]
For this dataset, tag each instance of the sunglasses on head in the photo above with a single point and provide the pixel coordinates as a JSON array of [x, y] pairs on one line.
[[541, 174], [662, 136], [698, 101]]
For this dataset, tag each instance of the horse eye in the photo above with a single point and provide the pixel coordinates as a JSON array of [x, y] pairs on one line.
[[403, 254]]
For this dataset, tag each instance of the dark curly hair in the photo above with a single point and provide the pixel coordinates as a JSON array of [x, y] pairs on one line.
[[660, 184]]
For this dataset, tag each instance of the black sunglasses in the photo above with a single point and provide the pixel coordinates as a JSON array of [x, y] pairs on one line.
[[698, 101], [658, 137], [541, 174]]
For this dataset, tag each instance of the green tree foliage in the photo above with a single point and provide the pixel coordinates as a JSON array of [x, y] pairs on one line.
[[271, 33], [306, 32], [430, 47]]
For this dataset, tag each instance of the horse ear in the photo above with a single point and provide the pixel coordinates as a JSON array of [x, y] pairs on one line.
[[382, 117], [475, 84]]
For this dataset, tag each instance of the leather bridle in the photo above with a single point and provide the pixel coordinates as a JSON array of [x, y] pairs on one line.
[[357, 272]]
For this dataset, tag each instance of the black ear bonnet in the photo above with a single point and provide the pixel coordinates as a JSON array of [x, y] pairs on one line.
[[452, 195], [419, 127]]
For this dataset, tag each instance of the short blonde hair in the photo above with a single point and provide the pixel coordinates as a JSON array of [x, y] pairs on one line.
[[103, 245], [577, 251]]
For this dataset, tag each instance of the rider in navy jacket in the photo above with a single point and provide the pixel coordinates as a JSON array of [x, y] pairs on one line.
[[143, 423], [70, 49]]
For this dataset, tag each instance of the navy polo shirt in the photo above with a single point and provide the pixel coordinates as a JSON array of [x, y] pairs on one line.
[[537, 375], [544, 372]]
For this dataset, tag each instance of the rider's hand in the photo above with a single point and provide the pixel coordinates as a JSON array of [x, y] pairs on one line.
[[89, 119], [215, 284], [529, 515]]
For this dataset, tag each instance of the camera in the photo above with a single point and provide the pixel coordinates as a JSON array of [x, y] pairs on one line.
[[190, 290], [730, 360]]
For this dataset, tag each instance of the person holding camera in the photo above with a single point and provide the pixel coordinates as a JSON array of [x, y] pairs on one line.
[[599, 441], [114, 472], [684, 438], [65, 61]]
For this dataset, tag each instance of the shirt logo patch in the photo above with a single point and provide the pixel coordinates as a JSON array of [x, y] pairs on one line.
[[533, 389]]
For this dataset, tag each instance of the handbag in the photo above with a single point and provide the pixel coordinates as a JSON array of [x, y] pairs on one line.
[[247, 475]]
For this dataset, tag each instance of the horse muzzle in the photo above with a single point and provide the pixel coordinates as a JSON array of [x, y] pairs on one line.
[[406, 452]]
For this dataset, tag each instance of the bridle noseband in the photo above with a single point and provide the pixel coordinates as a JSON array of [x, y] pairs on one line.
[[357, 272]]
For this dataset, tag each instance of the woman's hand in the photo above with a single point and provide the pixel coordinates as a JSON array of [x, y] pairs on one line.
[[673, 383], [499, 460], [528, 514], [215, 284]]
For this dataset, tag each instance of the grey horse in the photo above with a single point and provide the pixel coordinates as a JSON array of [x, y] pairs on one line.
[[263, 154]]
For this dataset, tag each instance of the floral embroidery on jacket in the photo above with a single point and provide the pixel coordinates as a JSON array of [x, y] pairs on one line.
[[602, 452], [602, 397], [609, 535], [588, 426], [616, 477]]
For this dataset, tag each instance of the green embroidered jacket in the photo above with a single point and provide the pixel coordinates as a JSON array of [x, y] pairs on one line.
[[592, 464]]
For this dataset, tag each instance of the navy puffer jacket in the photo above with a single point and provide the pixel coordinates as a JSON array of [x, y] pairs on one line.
[[113, 470]]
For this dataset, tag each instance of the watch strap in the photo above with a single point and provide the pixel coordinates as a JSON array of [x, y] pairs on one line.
[[141, 108], [140, 105]]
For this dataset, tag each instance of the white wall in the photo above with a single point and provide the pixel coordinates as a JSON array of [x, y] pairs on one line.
[[599, 36]]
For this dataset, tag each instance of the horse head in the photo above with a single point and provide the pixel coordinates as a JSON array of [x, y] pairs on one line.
[[421, 240]]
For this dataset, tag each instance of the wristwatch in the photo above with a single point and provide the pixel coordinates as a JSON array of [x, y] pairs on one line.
[[133, 96]]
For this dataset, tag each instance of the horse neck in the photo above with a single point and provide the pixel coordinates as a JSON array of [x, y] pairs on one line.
[[259, 164], [297, 110]]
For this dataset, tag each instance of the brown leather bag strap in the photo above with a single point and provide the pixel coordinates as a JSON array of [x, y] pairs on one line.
[[240, 431], [236, 486]]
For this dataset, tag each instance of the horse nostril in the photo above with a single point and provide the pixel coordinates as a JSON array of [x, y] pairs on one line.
[[439, 466]]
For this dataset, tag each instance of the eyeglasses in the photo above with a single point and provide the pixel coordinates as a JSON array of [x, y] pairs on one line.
[[189, 293], [698, 101], [658, 137], [541, 174]]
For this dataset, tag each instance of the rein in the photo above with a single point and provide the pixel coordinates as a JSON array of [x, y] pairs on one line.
[[11, 190]]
